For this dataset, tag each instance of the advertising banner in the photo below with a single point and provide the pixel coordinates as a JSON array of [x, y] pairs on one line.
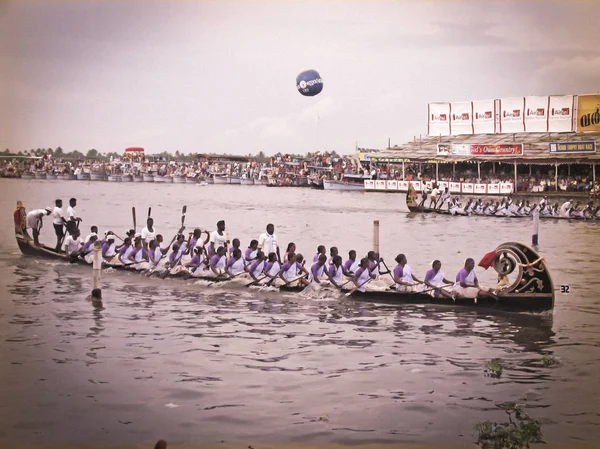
[[572, 147], [403, 185], [512, 115], [442, 185], [467, 187], [454, 187], [438, 119], [493, 188], [480, 188], [445, 149], [536, 114], [416, 185], [506, 188], [461, 118], [560, 113], [380, 184], [369, 184], [484, 117], [392, 185], [588, 113]]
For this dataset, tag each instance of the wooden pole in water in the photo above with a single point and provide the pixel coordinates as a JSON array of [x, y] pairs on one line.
[[97, 264], [536, 225], [376, 236], [556, 176], [515, 189]]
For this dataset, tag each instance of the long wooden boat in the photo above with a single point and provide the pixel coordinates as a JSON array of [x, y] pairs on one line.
[[531, 290], [413, 206]]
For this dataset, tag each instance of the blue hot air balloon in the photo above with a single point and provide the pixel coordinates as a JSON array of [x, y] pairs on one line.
[[309, 83]]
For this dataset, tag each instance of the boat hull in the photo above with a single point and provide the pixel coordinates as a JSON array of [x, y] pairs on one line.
[[114, 178], [49, 176], [40, 175], [98, 176], [235, 180], [341, 185], [191, 180], [159, 179], [221, 180], [179, 179], [247, 182], [148, 178], [27, 175], [84, 177], [138, 179]]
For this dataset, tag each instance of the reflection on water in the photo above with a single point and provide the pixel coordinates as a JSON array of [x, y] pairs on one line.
[[185, 362]]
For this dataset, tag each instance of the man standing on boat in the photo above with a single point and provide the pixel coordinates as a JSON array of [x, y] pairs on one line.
[[148, 233], [34, 221], [72, 219], [58, 221], [267, 242], [217, 239]]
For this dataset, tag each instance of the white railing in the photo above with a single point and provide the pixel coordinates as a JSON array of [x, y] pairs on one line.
[[468, 188]]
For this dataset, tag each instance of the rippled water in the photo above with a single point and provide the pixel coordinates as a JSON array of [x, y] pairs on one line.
[[186, 362]]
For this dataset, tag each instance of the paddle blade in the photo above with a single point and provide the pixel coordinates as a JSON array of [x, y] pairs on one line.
[[149, 212], [134, 217], [183, 212]]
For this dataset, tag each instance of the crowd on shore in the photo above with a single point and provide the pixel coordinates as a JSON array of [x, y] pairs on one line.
[[215, 256], [287, 169]]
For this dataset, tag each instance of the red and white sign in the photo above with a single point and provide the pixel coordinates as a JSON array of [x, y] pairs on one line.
[[439, 119], [454, 187], [536, 114], [461, 118], [429, 184], [403, 186], [560, 113], [392, 185], [506, 188], [416, 185], [484, 117], [369, 184], [480, 188], [493, 188], [380, 184], [512, 111], [443, 184], [467, 187]]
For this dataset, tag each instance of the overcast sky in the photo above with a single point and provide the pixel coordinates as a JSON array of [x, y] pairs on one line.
[[207, 76]]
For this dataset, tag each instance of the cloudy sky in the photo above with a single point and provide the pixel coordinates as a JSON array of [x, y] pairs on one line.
[[207, 76]]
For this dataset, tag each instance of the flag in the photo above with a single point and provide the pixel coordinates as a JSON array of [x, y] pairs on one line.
[[487, 260]]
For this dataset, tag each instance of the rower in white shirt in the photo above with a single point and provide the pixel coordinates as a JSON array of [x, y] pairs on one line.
[[218, 238], [58, 221], [72, 219], [267, 242], [34, 222], [73, 243]]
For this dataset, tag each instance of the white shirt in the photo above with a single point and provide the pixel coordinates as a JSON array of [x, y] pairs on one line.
[[268, 243], [71, 213], [217, 240], [33, 218], [57, 216], [148, 236], [72, 245]]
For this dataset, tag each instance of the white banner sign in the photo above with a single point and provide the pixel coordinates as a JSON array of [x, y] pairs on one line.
[[392, 185], [403, 185], [467, 187], [506, 188], [493, 188], [480, 188], [560, 113], [461, 118], [439, 119], [380, 184], [484, 117], [536, 114], [511, 115], [454, 187]]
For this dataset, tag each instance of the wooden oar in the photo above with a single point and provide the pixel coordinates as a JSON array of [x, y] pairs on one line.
[[356, 288], [389, 271], [256, 281], [294, 280], [134, 219], [149, 211]]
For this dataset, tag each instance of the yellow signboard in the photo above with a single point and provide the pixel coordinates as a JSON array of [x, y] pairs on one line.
[[588, 113]]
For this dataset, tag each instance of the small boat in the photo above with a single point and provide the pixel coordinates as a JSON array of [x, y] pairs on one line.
[[158, 178], [168, 179], [235, 180], [210, 180], [51, 176], [191, 180], [98, 176], [27, 175], [148, 177], [126, 178], [221, 179], [114, 178], [83, 176], [247, 181], [138, 178], [179, 179], [348, 182], [40, 175], [67, 177]]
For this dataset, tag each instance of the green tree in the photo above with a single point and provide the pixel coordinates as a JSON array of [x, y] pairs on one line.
[[92, 154], [59, 152], [260, 157], [76, 154]]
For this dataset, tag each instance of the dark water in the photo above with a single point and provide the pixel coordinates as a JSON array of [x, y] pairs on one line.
[[185, 362]]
